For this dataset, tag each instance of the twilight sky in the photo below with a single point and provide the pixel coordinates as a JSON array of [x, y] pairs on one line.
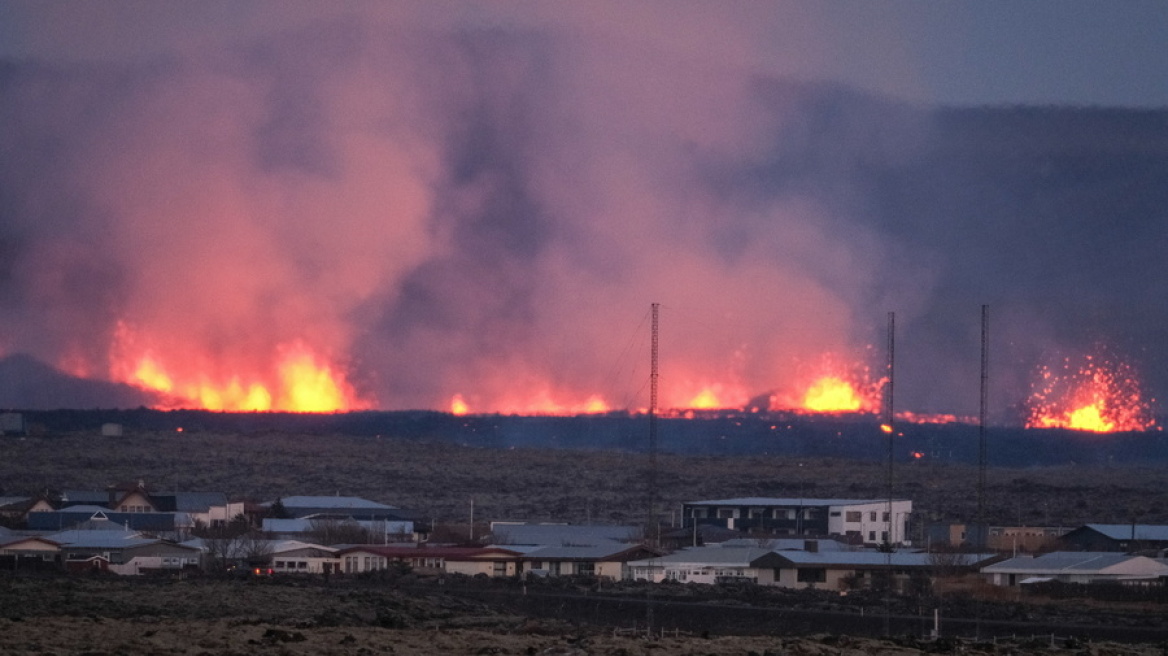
[[480, 200], [989, 52]]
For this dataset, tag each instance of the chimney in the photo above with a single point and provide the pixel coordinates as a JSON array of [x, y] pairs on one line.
[[811, 546]]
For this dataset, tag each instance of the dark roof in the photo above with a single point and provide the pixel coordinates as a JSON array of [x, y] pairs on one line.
[[612, 551], [62, 519], [1120, 532], [79, 497], [446, 553], [564, 534]]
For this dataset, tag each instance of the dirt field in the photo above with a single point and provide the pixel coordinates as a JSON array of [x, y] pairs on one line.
[[439, 479], [110, 616]]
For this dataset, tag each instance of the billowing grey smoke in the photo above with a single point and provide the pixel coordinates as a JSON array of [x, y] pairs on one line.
[[490, 212]]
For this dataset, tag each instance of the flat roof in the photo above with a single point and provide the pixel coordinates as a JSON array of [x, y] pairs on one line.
[[789, 501]]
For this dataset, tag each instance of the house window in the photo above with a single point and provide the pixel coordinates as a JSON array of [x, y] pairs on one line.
[[302, 565], [871, 536], [854, 516], [756, 513], [872, 516], [586, 569], [811, 575], [725, 513], [279, 564], [834, 513], [884, 536], [885, 517], [554, 568]]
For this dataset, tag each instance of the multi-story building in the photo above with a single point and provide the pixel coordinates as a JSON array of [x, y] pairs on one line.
[[867, 521]]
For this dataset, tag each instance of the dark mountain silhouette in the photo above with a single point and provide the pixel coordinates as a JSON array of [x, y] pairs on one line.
[[29, 384]]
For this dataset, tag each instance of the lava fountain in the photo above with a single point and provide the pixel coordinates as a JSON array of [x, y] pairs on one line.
[[294, 378], [833, 385], [1098, 394]]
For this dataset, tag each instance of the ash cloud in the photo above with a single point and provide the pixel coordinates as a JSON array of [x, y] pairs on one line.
[[488, 211]]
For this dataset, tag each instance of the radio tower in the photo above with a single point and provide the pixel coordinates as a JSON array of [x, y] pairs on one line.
[[981, 429], [889, 427], [654, 525]]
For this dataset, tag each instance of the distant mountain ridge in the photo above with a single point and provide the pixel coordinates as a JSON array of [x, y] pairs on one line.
[[29, 384]]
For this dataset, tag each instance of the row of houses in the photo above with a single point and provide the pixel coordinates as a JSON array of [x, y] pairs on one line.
[[178, 515], [814, 543], [787, 563]]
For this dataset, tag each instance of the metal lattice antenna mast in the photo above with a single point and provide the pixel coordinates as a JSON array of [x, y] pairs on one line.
[[889, 427], [981, 427], [654, 525]]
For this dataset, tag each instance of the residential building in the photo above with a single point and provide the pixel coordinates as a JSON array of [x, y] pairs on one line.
[[608, 561], [713, 564], [424, 560], [122, 552], [1074, 567], [842, 570], [868, 521], [1125, 538]]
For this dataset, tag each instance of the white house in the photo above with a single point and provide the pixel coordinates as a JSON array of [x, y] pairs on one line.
[[708, 565]]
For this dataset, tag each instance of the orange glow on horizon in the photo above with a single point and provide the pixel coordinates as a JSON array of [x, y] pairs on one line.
[[1100, 396], [544, 403], [301, 382]]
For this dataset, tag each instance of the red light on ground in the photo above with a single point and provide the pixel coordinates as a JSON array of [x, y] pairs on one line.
[[886, 428], [918, 455], [178, 430]]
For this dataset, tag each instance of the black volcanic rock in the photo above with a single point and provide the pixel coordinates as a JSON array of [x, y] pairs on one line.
[[29, 384]]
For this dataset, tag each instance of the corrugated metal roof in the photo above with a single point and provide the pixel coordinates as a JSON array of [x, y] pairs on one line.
[[1063, 562], [446, 553], [346, 503], [741, 556], [198, 501], [599, 552], [564, 535], [873, 558], [787, 544], [100, 539], [1152, 532]]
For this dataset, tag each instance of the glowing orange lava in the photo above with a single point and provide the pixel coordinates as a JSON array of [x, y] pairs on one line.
[[458, 406], [299, 380], [832, 394], [548, 404], [1101, 395], [833, 384], [707, 399]]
